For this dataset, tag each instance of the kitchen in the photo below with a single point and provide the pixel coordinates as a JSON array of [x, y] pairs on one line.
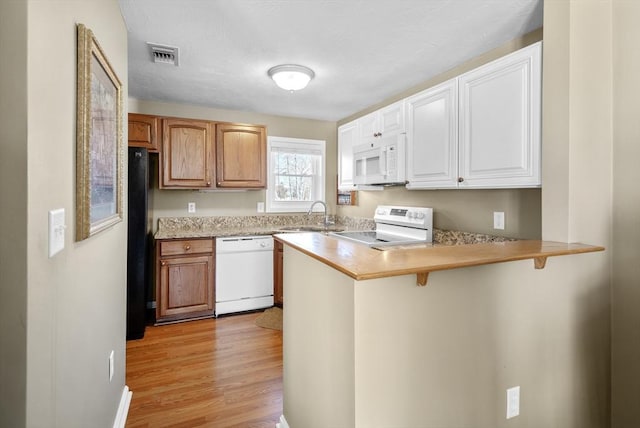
[[578, 178]]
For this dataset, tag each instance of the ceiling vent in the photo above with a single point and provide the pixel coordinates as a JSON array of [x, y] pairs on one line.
[[164, 54]]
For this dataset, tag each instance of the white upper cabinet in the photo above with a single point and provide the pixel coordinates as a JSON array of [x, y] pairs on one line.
[[384, 123], [388, 120], [479, 130], [500, 111], [432, 137], [348, 136]]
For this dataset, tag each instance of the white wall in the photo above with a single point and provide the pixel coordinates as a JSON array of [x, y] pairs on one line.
[[61, 316]]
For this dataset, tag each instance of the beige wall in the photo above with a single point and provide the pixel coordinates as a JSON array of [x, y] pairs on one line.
[[61, 316], [466, 210], [323, 396], [626, 216], [13, 210], [173, 203]]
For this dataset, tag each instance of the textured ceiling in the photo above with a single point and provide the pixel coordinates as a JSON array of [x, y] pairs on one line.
[[361, 51]]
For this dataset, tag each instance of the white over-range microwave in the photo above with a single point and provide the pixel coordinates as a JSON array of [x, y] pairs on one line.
[[381, 161]]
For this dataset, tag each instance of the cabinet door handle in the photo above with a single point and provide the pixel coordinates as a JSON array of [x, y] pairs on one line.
[[187, 247], [163, 263], [460, 179], [208, 183]]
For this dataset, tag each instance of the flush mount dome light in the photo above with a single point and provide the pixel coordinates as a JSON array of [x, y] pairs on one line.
[[291, 77]]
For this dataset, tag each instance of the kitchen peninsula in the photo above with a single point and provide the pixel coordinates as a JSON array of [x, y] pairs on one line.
[[364, 346]]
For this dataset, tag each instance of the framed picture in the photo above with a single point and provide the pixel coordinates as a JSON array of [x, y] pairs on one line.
[[99, 140]]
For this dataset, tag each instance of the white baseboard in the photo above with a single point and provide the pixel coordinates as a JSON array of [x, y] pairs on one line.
[[283, 423], [123, 408]]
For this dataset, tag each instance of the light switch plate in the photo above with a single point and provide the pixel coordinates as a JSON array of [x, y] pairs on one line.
[[191, 207], [260, 207], [111, 366], [56, 231], [513, 402], [498, 220]]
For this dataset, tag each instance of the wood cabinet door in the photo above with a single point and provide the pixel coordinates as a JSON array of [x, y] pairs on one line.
[[278, 290], [187, 154], [241, 156], [347, 138], [185, 287], [144, 131], [500, 122], [432, 137]]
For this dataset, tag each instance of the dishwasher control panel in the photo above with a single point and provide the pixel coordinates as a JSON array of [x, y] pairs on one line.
[[244, 243]]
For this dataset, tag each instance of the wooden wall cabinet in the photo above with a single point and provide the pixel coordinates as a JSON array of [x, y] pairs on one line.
[[278, 258], [144, 131], [241, 156], [185, 274], [187, 154]]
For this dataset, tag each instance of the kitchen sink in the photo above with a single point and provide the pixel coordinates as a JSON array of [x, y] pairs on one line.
[[291, 229]]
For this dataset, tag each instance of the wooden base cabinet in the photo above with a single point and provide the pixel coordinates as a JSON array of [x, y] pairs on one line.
[[185, 280], [278, 291]]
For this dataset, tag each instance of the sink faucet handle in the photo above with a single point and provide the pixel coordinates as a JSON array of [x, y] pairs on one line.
[[327, 221]]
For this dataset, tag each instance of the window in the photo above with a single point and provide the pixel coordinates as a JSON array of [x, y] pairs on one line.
[[296, 173]]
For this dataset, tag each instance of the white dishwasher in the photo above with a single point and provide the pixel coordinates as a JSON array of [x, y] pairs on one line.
[[244, 273]]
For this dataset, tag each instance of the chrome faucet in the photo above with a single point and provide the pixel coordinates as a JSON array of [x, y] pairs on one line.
[[326, 221]]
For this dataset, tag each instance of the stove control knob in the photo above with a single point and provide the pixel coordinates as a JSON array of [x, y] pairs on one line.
[[380, 212], [420, 215]]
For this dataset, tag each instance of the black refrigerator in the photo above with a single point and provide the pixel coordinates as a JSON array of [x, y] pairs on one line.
[[137, 242]]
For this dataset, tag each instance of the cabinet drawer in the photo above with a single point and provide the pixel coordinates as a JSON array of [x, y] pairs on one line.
[[191, 246]]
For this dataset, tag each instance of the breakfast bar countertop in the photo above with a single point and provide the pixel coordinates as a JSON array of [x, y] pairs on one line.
[[361, 262]]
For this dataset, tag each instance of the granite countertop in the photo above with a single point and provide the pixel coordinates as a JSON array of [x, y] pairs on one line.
[[219, 226], [212, 227]]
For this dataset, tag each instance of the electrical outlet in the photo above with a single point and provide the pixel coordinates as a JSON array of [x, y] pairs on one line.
[[498, 220], [191, 207], [111, 367], [260, 207], [513, 402]]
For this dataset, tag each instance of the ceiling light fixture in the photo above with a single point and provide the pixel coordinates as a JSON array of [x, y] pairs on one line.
[[291, 77]]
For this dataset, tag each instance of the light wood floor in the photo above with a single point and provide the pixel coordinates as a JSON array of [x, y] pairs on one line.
[[224, 372]]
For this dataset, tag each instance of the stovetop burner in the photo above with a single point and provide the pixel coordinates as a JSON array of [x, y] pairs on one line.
[[374, 238]]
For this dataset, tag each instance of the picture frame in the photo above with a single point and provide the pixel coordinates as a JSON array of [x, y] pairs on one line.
[[99, 142]]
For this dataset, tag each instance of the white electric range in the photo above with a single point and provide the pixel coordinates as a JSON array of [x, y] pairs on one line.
[[395, 225]]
